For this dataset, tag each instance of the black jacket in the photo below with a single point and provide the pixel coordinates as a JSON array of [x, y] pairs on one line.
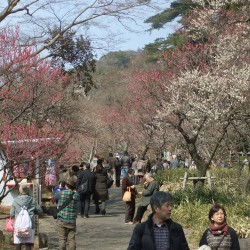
[[84, 176], [143, 236]]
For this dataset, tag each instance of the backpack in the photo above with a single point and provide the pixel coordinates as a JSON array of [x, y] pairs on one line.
[[23, 224]]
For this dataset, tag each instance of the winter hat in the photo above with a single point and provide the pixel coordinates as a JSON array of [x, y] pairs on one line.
[[24, 188]]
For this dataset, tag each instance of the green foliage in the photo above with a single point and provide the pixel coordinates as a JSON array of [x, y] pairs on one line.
[[180, 8], [170, 175], [177, 8], [161, 44], [191, 206], [205, 196], [116, 60], [75, 56]]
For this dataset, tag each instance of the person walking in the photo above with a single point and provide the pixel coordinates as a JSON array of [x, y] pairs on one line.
[[86, 176], [219, 235], [128, 182], [125, 164], [159, 231], [25, 199], [100, 194], [112, 161], [66, 222], [174, 163], [150, 186], [118, 173]]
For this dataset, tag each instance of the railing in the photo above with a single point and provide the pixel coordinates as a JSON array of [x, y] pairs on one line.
[[208, 177]]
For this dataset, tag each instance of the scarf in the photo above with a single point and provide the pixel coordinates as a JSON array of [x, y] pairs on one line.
[[218, 230]]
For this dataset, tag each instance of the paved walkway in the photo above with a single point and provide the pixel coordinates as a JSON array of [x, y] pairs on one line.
[[100, 232], [107, 232]]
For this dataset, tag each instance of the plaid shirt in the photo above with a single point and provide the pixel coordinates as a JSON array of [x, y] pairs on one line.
[[161, 235], [68, 214]]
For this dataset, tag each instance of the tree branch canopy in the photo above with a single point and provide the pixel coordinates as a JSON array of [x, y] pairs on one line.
[[39, 16]]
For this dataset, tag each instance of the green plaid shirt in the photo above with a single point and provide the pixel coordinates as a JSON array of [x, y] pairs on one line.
[[68, 214]]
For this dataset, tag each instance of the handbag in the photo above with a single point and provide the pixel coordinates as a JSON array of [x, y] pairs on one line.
[[55, 210], [110, 181], [127, 195], [9, 225], [84, 187]]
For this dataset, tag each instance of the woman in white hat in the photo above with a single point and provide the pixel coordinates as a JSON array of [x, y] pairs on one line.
[[25, 199]]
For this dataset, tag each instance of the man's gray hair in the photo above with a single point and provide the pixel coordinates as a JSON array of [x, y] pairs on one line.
[[147, 175], [159, 198]]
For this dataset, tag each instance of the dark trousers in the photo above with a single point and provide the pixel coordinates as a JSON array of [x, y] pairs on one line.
[[85, 204], [117, 182], [139, 214], [129, 210], [27, 245]]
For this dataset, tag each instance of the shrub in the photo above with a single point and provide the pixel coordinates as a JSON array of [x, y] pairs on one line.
[[191, 206], [205, 196]]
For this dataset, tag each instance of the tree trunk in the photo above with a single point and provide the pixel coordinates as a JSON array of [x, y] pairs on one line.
[[201, 165], [144, 152]]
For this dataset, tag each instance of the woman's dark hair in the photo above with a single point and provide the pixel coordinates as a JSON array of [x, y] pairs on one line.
[[75, 168], [131, 171], [214, 209], [99, 161]]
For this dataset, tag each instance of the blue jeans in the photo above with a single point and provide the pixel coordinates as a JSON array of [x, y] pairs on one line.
[[124, 172]]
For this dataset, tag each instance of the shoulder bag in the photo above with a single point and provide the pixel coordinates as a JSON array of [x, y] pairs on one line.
[[56, 210], [84, 187]]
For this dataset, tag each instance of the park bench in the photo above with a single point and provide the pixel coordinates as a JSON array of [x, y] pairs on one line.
[[186, 178]]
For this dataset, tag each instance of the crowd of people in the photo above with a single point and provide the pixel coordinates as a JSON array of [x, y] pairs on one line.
[[158, 232]]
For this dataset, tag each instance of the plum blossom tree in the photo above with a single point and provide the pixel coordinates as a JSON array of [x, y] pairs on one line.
[[205, 83], [34, 115]]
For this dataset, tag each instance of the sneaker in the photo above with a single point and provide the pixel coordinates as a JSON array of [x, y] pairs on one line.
[[85, 216], [129, 223]]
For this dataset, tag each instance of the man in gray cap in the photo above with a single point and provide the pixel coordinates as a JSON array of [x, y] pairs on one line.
[[159, 231]]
